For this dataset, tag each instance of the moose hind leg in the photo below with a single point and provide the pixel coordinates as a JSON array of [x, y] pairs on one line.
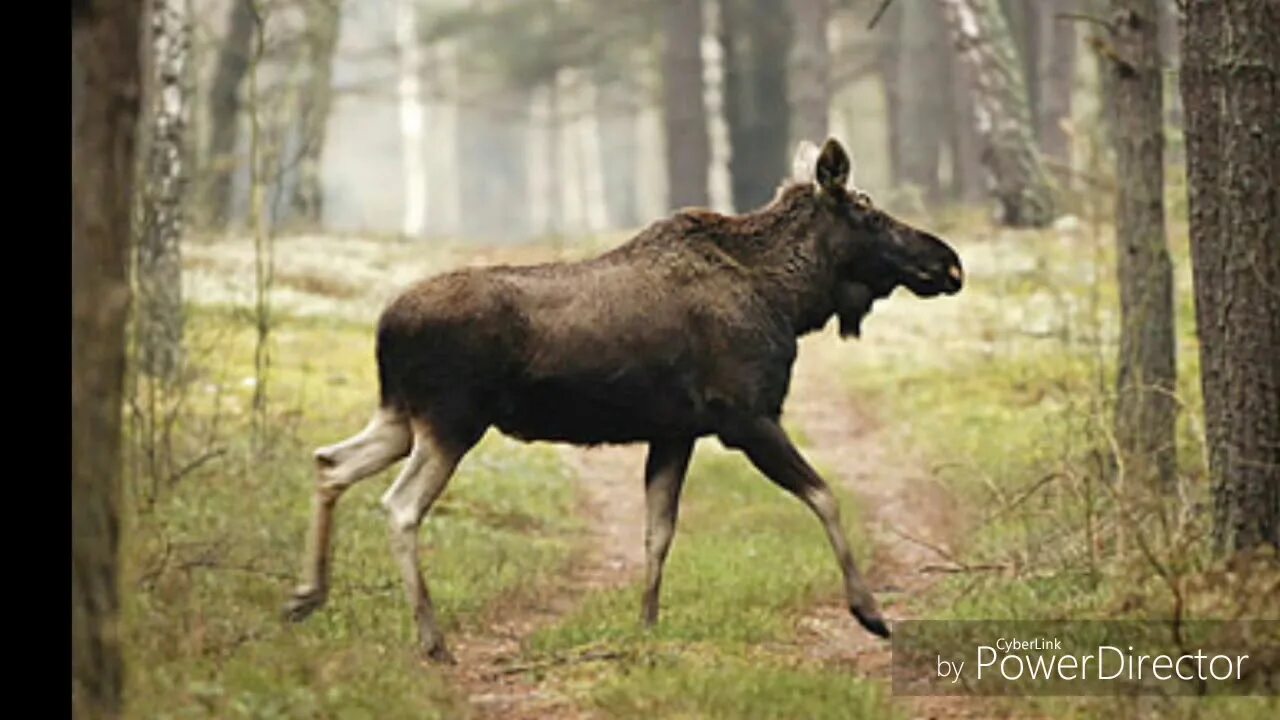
[[664, 475], [771, 451], [383, 441], [424, 477]]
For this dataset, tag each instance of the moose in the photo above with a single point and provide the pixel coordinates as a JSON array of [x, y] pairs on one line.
[[687, 330]]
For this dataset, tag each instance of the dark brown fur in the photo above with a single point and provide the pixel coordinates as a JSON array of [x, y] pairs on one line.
[[687, 326]]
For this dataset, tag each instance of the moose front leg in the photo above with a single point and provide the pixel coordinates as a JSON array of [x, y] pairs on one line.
[[664, 473], [772, 452]]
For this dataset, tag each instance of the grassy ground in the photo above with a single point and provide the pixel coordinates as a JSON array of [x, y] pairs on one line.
[[211, 558], [1007, 389], [747, 560]]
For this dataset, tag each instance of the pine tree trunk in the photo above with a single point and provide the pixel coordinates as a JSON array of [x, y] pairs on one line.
[[968, 180], [1230, 72], [105, 90], [224, 116], [1055, 69], [159, 256], [755, 35], [889, 57], [688, 147], [1147, 380], [924, 97], [323, 21], [1021, 185], [810, 68]]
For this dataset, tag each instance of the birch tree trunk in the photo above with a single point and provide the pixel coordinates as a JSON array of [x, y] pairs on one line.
[[1020, 184], [923, 97], [1230, 72], [323, 21], [411, 115], [224, 115], [1147, 379], [159, 256], [684, 115], [105, 90], [810, 68]]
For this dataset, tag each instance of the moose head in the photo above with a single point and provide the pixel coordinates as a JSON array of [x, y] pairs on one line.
[[874, 251]]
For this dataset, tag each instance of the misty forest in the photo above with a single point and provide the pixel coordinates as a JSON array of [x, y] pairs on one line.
[[407, 333]]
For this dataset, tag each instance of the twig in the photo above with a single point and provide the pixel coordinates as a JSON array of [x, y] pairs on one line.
[[876, 18], [1083, 17], [588, 656], [957, 569], [941, 551]]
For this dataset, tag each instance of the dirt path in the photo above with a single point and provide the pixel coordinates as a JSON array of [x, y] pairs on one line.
[[897, 500], [908, 516], [610, 555]]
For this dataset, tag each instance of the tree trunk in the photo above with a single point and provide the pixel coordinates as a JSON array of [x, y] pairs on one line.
[[889, 57], [105, 90], [323, 21], [1230, 71], [159, 255], [1055, 70], [924, 98], [688, 147], [1021, 185], [968, 181], [224, 115], [1147, 380], [409, 92], [617, 115], [755, 35], [810, 67]]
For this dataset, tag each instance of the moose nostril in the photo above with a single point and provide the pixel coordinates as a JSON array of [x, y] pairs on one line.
[[956, 273]]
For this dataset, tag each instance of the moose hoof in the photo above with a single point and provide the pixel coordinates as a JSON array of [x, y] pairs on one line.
[[438, 654], [872, 621], [303, 602]]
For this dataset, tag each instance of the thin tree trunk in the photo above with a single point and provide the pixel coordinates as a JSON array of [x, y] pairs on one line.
[[411, 116], [810, 67], [105, 90], [1055, 70], [1230, 71], [159, 256], [923, 97], [755, 35], [617, 115], [1147, 379], [324, 18], [224, 116], [1021, 185], [688, 148], [889, 57], [968, 180]]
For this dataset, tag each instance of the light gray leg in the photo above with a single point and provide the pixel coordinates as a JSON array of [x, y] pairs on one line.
[[664, 475], [383, 441], [423, 479]]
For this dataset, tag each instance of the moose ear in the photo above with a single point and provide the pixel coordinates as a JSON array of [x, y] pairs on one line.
[[833, 168], [804, 161]]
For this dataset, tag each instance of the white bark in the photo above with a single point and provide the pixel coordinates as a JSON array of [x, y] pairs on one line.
[[159, 256], [411, 118]]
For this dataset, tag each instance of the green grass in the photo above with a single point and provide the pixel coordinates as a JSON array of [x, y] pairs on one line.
[[746, 561], [210, 563], [1005, 391]]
